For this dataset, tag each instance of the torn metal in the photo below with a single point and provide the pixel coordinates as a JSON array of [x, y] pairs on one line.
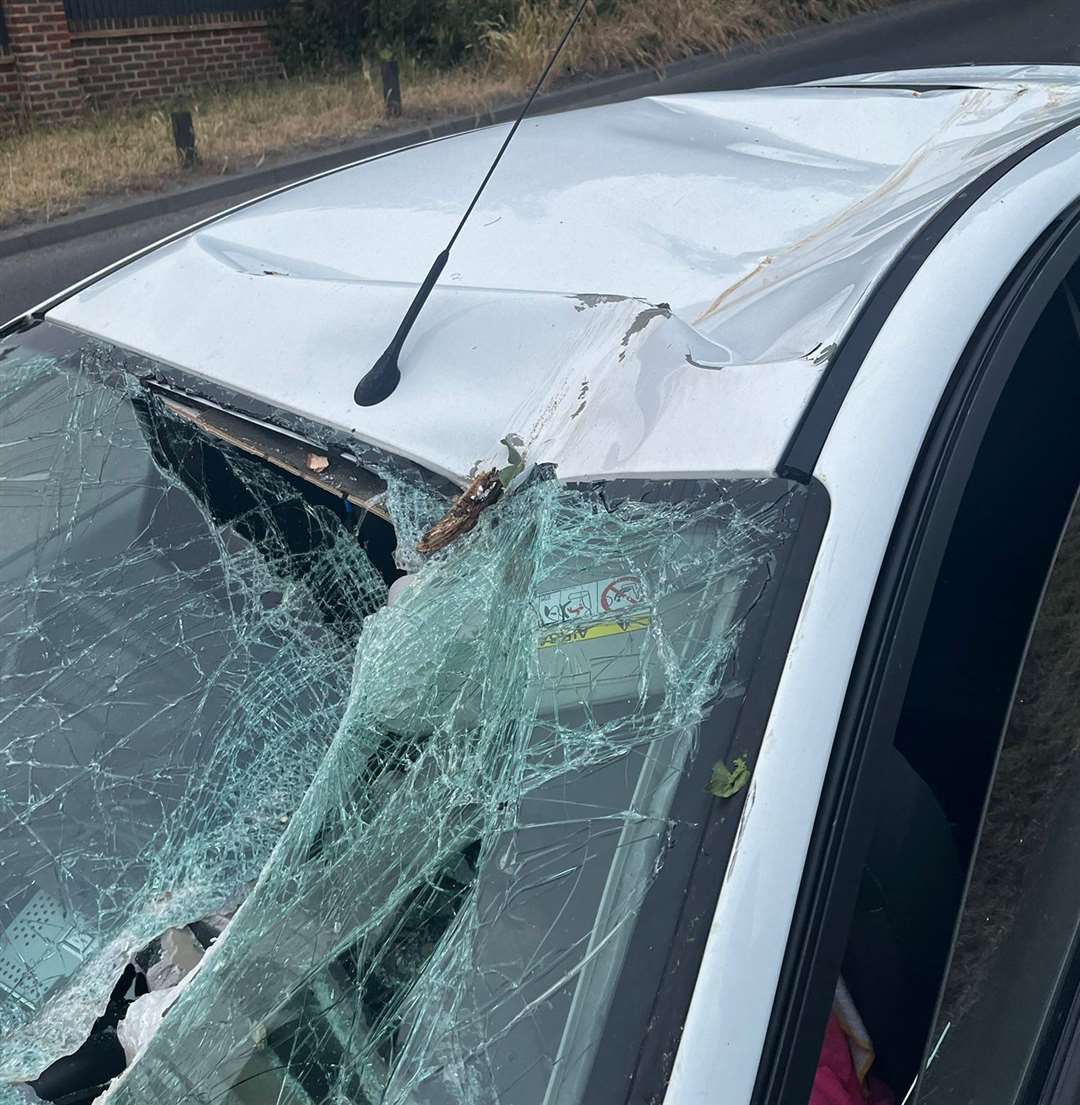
[[425, 828], [284, 451]]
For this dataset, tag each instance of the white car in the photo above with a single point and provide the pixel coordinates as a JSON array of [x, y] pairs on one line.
[[667, 693]]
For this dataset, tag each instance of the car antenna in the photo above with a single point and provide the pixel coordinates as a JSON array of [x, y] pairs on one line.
[[383, 377]]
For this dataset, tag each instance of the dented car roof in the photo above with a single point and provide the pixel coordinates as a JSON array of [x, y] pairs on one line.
[[646, 289]]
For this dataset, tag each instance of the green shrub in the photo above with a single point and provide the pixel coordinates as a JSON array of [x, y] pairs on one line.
[[321, 34]]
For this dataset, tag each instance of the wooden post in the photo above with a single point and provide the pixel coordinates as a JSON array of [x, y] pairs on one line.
[[391, 85], [183, 132]]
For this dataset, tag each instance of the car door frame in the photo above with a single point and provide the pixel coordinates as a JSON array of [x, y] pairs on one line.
[[884, 660]]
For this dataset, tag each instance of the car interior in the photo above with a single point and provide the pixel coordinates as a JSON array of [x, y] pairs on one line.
[[271, 516], [960, 694]]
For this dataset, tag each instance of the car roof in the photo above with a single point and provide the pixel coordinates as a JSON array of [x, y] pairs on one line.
[[647, 289]]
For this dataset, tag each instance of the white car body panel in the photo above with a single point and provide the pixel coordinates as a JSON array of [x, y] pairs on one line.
[[880, 429], [637, 285]]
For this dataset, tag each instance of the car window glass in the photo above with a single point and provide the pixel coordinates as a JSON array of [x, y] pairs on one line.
[[357, 849], [1022, 907]]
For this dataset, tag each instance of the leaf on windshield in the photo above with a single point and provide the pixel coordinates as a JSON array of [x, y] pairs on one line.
[[726, 782]]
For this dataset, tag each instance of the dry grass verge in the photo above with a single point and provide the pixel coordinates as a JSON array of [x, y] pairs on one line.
[[49, 172]]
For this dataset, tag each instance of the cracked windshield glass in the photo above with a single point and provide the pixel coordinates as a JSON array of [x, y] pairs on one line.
[[293, 812]]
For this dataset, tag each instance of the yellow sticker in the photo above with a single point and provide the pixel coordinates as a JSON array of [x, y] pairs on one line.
[[572, 634]]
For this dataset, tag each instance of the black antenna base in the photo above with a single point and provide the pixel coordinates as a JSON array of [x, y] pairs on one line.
[[380, 380], [384, 375]]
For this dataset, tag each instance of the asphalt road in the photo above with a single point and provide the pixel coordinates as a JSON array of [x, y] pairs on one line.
[[916, 33]]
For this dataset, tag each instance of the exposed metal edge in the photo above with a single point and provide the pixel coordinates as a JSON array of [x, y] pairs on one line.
[[801, 455]]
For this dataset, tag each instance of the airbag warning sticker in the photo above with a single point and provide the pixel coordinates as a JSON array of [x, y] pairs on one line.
[[598, 608]]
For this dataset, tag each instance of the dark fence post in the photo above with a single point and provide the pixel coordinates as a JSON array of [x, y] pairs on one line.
[[183, 132], [391, 87]]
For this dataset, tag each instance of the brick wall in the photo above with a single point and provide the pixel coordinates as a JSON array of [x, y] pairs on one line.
[[152, 61], [54, 69], [10, 100], [41, 45]]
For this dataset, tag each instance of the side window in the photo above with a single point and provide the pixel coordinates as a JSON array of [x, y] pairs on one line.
[[911, 991], [1009, 970]]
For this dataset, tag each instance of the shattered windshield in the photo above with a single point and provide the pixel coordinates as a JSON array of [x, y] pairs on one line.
[[290, 812]]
